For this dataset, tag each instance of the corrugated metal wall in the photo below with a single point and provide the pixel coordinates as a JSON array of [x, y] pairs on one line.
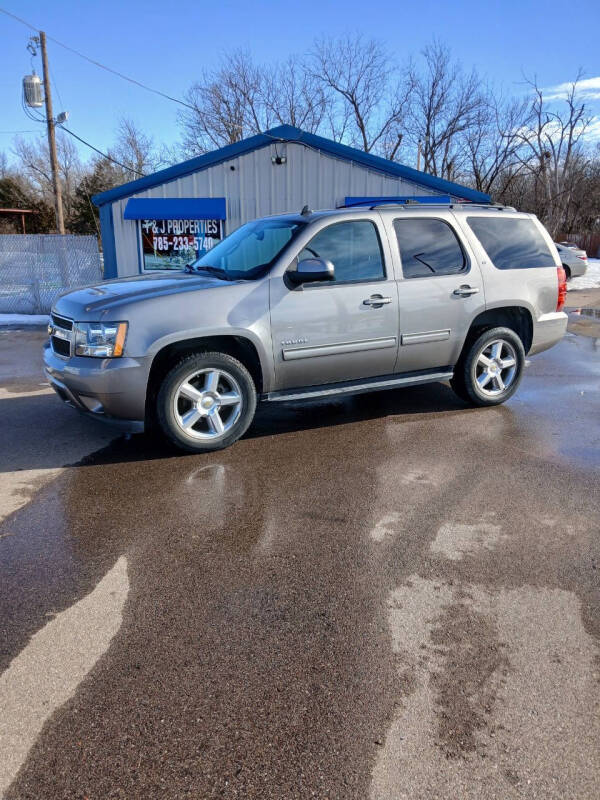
[[257, 187]]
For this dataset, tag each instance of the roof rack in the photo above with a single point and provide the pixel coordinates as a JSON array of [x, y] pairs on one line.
[[412, 204]]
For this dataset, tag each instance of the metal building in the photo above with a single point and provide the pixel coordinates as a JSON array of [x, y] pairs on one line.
[[167, 219]]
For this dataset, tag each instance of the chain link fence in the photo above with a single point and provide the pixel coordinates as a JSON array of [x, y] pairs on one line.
[[36, 268]]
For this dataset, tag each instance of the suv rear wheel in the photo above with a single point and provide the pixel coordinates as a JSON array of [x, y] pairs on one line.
[[490, 369], [206, 402]]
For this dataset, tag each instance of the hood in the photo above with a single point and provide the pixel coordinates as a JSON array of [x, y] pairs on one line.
[[120, 291]]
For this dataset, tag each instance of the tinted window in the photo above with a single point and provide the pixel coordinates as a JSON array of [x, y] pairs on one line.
[[352, 247], [512, 243], [428, 247]]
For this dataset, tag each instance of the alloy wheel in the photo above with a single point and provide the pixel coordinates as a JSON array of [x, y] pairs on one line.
[[207, 403], [495, 367]]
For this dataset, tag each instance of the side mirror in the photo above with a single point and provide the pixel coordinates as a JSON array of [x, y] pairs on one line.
[[311, 269]]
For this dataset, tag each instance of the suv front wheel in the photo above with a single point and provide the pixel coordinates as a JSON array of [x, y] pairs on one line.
[[206, 402], [490, 369]]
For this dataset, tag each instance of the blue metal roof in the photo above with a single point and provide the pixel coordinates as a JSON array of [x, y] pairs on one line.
[[175, 208], [287, 133]]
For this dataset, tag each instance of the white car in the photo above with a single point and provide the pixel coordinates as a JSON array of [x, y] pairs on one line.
[[574, 260]]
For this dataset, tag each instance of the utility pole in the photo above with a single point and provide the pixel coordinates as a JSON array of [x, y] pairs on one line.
[[58, 206]]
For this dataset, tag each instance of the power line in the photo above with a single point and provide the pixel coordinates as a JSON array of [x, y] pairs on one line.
[[98, 64], [104, 155], [14, 16], [37, 117]]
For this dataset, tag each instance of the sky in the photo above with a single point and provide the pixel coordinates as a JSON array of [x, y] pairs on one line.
[[167, 45]]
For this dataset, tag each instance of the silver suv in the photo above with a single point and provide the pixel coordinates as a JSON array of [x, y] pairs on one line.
[[311, 305]]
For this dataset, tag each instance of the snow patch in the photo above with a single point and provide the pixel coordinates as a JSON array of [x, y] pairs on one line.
[[24, 319], [591, 279]]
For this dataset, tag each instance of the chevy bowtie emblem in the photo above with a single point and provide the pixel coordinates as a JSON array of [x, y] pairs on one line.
[[59, 333]]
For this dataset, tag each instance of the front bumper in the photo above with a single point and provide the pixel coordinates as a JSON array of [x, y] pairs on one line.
[[109, 389]]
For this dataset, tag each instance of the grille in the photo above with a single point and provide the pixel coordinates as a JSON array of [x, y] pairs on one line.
[[62, 322], [60, 338], [60, 346]]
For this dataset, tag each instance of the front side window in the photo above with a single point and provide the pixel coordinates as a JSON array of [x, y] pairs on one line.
[[428, 247], [512, 243], [248, 252], [352, 247]]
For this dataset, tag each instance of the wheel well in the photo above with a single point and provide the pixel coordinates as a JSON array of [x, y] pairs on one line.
[[236, 346], [516, 318], [567, 271]]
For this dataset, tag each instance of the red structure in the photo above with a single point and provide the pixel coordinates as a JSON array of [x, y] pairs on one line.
[[21, 212]]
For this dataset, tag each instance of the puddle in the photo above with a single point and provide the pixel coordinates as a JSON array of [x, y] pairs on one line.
[[585, 322]]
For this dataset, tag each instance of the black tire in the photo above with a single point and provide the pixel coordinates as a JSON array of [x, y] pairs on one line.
[[567, 272], [472, 379], [172, 404]]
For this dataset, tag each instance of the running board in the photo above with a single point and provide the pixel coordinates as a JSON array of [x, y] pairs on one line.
[[359, 387]]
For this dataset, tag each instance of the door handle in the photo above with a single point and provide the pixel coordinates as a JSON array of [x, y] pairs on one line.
[[465, 290], [376, 300]]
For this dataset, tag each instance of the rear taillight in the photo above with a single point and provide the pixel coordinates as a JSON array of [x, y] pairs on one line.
[[562, 288], [583, 258]]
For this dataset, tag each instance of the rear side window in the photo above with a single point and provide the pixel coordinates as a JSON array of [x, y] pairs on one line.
[[512, 243], [353, 248], [428, 247]]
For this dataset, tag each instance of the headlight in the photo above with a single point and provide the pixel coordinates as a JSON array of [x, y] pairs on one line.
[[100, 339]]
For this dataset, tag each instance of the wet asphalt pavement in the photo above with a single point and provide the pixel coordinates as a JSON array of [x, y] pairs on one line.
[[390, 596]]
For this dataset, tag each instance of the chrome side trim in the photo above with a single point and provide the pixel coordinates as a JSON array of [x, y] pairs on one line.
[[371, 385], [291, 354], [425, 336]]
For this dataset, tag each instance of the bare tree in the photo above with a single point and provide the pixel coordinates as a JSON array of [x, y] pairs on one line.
[[552, 139], [293, 96], [226, 105], [369, 101], [493, 143], [445, 104], [34, 163], [5, 169], [135, 150]]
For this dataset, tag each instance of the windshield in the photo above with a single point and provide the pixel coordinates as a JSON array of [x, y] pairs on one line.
[[248, 252]]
